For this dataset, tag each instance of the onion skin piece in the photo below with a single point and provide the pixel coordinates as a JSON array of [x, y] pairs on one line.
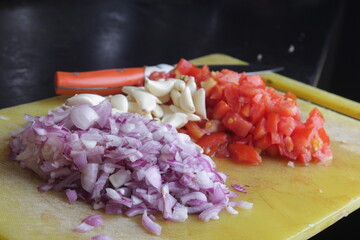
[[89, 176]]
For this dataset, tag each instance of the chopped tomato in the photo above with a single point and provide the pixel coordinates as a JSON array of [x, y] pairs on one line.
[[286, 125], [227, 76], [243, 153], [272, 121], [256, 116], [183, 67], [237, 124], [210, 143], [194, 130], [161, 75], [260, 130], [255, 80], [220, 109]]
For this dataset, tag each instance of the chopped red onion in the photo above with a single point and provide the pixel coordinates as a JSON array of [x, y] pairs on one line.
[[123, 163], [89, 223], [94, 220], [239, 187], [71, 195], [101, 237], [150, 225], [84, 227]]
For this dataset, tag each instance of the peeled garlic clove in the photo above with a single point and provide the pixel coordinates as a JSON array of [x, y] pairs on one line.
[[175, 97], [199, 102], [129, 89], [193, 117], [186, 102], [159, 88], [157, 112], [84, 98], [119, 102], [177, 120], [145, 100], [192, 84], [165, 98], [166, 109], [178, 84], [148, 116], [133, 107], [190, 116]]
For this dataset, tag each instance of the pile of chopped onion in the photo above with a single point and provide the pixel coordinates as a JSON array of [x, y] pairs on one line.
[[123, 163]]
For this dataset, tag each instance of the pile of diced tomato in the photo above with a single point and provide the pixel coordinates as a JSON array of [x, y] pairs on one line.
[[246, 119]]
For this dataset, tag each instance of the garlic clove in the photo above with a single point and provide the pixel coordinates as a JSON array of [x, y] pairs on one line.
[[129, 89], [191, 84], [164, 99], [166, 109], [177, 120], [178, 84], [193, 117], [157, 112], [175, 97], [119, 102], [159, 88], [84, 98], [190, 116], [199, 102], [146, 101], [133, 107], [186, 102]]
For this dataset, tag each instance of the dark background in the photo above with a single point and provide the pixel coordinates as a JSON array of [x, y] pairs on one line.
[[38, 38]]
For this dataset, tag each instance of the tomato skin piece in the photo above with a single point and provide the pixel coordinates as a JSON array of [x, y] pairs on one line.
[[183, 67], [215, 95], [286, 125], [255, 80], [271, 123], [259, 130], [232, 97], [315, 118], [161, 75], [243, 153], [249, 90], [257, 112], [204, 74], [234, 122], [211, 142], [220, 109], [323, 135], [264, 142], [194, 130], [227, 76]]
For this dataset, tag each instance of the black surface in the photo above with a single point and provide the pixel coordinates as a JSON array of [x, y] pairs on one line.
[[38, 38]]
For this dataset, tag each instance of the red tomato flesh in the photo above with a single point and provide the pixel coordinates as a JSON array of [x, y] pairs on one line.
[[243, 153], [253, 116]]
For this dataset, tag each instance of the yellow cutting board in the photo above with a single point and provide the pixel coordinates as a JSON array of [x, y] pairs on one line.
[[289, 203]]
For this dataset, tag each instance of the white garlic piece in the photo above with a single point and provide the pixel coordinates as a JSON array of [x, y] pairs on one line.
[[129, 89], [186, 102], [159, 88], [119, 102], [177, 120], [84, 98], [146, 101], [175, 97], [133, 107], [200, 102], [191, 84]]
